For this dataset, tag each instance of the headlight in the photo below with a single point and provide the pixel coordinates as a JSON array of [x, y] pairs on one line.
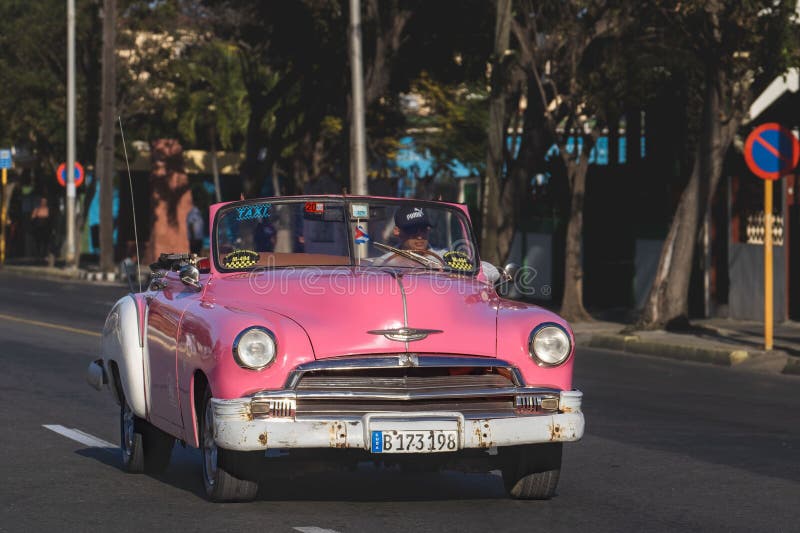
[[549, 345], [255, 348]]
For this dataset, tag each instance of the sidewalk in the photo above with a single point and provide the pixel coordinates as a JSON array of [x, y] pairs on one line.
[[716, 340], [38, 269]]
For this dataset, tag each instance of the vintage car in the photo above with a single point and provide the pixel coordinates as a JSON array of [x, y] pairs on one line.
[[339, 329]]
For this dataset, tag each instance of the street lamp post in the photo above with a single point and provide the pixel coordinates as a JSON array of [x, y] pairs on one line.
[[358, 179], [70, 171]]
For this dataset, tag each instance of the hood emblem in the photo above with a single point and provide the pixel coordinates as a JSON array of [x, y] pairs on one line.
[[404, 334]]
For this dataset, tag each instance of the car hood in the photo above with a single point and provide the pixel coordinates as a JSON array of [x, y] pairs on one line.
[[343, 310]]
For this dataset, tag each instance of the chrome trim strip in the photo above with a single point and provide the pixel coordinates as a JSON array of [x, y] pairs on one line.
[[482, 415], [399, 279], [417, 395], [360, 362]]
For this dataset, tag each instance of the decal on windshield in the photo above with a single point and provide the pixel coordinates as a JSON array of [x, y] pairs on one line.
[[361, 236], [251, 212], [240, 259], [359, 210], [457, 260], [316, 208]]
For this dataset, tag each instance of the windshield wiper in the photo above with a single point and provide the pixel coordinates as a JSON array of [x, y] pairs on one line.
[[408, 254]]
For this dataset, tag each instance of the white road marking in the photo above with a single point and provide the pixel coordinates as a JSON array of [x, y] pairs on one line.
[[314, 529], [82, 437]]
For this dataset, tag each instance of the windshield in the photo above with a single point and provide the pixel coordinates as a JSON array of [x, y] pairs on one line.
[[330, 232]]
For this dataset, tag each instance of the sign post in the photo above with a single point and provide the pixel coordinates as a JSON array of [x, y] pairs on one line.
[[768, 268], [5, 164], [770, 151]]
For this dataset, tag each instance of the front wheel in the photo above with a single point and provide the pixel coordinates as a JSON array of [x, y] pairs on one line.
[[531, 472], [220, 465], [145, 448]]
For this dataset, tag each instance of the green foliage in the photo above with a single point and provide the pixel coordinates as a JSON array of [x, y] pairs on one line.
[[276, 75], [748, 43], [210, 95], [33, 77], [451, 123]]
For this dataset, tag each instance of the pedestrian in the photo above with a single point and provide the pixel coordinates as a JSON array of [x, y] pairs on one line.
[[40, 222], [196, 230]]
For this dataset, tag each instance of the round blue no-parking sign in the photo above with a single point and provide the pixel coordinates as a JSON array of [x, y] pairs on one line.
[[771, 151]]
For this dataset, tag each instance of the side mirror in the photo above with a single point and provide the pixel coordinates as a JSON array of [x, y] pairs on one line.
[[510, 271], [491, 272], [505, 285], [190, 276]]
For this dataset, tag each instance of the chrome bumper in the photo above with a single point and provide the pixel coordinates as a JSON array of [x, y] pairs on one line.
[[237, 427]]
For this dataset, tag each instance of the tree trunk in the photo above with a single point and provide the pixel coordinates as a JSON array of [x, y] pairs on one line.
[[669, 295], [276, 181], [572, 301], [668, 301], [493, 181], [254, 141], [170, 200], [215, 164], [515, 195]]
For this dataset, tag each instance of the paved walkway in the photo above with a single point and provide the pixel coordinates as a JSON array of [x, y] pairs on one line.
[[716, 340]]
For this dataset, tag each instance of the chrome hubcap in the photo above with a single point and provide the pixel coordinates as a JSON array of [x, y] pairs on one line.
[[209, 447]]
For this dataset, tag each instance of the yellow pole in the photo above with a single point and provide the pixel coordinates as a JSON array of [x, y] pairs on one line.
[[3, 219], [768, 265]]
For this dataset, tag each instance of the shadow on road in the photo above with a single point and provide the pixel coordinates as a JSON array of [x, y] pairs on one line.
[[366, 484]]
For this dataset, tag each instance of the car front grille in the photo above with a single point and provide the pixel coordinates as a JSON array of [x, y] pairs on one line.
[[472, 408], [433, 384], [402, 383], [350, 387]]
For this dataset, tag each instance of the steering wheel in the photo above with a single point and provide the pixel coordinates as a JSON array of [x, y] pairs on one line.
[[427, 253]]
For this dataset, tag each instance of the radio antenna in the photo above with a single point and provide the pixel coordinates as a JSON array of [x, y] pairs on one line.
[[133, 209]]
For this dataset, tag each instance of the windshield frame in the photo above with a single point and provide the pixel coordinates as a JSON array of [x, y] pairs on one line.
[[345, 201]]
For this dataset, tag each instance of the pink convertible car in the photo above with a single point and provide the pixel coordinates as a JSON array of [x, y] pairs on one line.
[[340, 329]]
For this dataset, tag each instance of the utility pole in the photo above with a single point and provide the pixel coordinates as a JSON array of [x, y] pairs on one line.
[[106, 163], [70, 252], [358, 156]]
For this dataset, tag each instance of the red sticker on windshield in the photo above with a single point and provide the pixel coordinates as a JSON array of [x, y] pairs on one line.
[[315, 207]]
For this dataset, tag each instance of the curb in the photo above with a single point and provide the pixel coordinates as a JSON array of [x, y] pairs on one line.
[[792, 366], [99, 276], [60, 273], [774, 362], [43, 272]]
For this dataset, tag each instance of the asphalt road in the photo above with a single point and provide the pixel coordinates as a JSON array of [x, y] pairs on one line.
[[670, 446]]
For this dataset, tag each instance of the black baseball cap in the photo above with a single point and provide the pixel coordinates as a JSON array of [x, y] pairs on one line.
[[411, 217]]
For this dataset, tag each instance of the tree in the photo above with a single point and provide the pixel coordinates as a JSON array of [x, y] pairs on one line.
[[33, 70], [737, 47], [554, 40], [493, 184], [211, 98], [452, 126]]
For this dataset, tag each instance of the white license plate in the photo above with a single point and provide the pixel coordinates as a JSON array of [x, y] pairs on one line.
[[414, 441]]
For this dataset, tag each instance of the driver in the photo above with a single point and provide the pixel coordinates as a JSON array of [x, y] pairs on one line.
[[411, 231], [412, 228]]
